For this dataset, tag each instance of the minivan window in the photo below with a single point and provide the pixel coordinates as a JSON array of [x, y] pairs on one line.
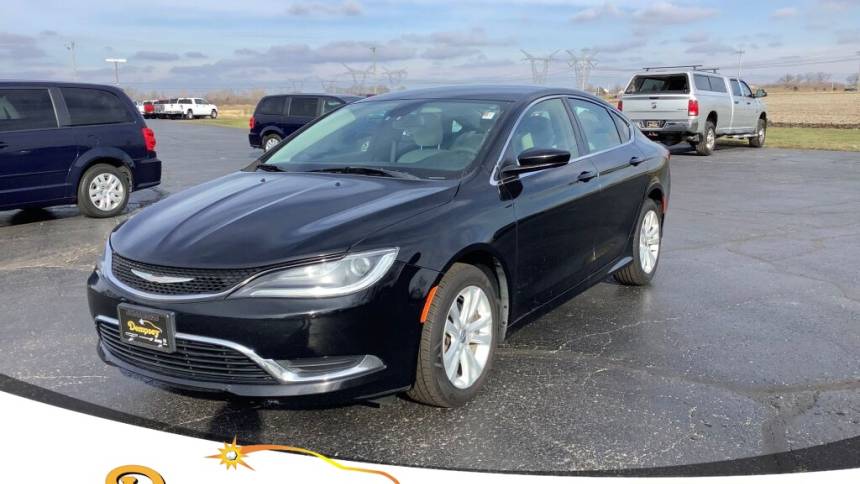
[[330, 104], [736, 88], [271, 105], [656, 83], [26, 109], [597, 126], [544, 125], [407, 136], [304, 107], [94, 106]]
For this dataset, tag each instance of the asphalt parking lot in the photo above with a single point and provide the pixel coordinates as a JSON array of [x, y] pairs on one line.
[[746, 344]]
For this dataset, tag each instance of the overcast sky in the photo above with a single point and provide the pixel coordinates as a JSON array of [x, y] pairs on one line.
[[200, 46]]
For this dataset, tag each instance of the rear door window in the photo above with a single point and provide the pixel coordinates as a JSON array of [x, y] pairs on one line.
[[717, 84], [597, 125], [702, 83], [623, 127], [22, 109], [94, 106], [305, 107], [271, 105], [657, 83]]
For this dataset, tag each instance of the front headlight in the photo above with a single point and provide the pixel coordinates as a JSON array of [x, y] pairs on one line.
[[351, 274]]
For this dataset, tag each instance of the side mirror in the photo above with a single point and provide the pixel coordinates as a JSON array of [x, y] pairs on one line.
[[536, 159], [760, 93]]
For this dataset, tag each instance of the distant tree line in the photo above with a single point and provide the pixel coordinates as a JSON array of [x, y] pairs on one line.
[[817, 81]]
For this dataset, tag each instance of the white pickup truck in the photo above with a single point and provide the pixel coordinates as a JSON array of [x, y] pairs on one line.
[[185, 107], [694, 105]]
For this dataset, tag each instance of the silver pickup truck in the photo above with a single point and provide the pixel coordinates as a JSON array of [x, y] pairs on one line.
[[673, 105]]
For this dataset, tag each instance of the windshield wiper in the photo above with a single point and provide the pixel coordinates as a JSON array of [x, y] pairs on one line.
[[367, 170], [265, 167]]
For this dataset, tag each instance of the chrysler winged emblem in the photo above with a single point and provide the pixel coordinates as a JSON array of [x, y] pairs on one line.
[[160, 279]]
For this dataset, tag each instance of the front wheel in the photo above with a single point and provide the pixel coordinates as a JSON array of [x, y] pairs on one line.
[[189, 114], [103, 191], [213, 114], [646, 247], [458, 340], [757, 141]]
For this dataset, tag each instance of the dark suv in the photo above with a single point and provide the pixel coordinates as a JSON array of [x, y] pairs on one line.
[[278, 116], [64, 143]]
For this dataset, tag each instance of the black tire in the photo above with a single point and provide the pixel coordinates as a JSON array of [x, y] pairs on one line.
[[213, 114], [86, 205], [633, 274], [432, 385], [269, 137], [189, 114], [703, 147], [757, 141]]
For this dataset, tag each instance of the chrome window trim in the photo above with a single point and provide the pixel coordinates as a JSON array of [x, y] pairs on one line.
[[368, 364], [495, 181]]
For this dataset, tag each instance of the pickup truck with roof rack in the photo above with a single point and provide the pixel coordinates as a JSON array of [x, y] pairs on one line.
[[688, 103], [185, 107]]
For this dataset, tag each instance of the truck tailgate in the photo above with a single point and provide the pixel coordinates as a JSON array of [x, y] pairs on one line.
[[656, 106]]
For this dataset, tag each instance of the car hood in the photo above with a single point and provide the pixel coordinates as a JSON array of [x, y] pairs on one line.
[[253, 219]]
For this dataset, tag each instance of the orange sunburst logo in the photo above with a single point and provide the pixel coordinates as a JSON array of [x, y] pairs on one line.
[[231, 455]]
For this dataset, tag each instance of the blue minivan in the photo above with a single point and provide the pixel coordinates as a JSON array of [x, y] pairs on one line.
[[66, 143], [278, 116]]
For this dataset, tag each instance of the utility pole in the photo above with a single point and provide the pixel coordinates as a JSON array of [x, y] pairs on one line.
[[70, 46], [858, 74], [582, 65], [116, 62], [740, 53], [539, 65], [372, 70], [358, 79]]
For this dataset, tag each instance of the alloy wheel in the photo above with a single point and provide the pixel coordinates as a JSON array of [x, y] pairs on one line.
[[711, 139], [467, 337], [106, 192], [649, 241], [271, 143]]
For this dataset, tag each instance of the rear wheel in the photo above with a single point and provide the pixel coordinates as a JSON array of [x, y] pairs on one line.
[[757, 141], [646, 247], [189, 114], [458, 339], [706, 145], [103, 191], [270, 141]]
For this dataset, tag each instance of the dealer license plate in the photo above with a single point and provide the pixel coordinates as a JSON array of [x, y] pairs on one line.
[[149, 328]]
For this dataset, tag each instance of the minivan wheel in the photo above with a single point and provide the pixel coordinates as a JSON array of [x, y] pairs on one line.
[[270, 141], [103, 191], [757, 141], [646, 247], [705, 146], [214, 114], [458, 338], [189, 114]]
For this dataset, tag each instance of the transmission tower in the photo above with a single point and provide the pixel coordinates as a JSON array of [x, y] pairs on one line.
[[359, 77], [540, 66], [296, 85], [395, 77], [329, 85], [582, 65]]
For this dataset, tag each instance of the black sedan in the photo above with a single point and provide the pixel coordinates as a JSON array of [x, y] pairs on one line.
[[388, 246]]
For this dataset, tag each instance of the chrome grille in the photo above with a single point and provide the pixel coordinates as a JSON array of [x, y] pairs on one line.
[[203, 281], [192, 360]]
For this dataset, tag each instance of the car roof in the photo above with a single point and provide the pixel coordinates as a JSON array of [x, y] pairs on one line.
[[18, 83], [343, 97], [510, 93]]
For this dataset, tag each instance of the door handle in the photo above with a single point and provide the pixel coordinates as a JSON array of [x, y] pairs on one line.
[[586, 175], [3, 145], [737, 102], [635, 161]]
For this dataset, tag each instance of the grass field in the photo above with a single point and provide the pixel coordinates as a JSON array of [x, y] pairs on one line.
[[839, 139], [814, 109]]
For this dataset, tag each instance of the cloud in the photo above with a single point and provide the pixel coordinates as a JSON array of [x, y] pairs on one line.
[[17, 47], [349, 8], [839, 5], [669, 13], [848, 37], [695, 37], [784, 12], [710, 48], [475, 37], [616, 46], [195, 55], [442, 52], [151, 55], [596, 13]]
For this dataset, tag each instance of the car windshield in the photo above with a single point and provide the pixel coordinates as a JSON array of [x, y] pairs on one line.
[[427, 138]]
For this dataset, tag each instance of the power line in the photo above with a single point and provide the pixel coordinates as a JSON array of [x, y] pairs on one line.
[[539, 65]]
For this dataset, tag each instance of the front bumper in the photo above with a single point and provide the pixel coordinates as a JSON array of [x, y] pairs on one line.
[[357, 346]]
